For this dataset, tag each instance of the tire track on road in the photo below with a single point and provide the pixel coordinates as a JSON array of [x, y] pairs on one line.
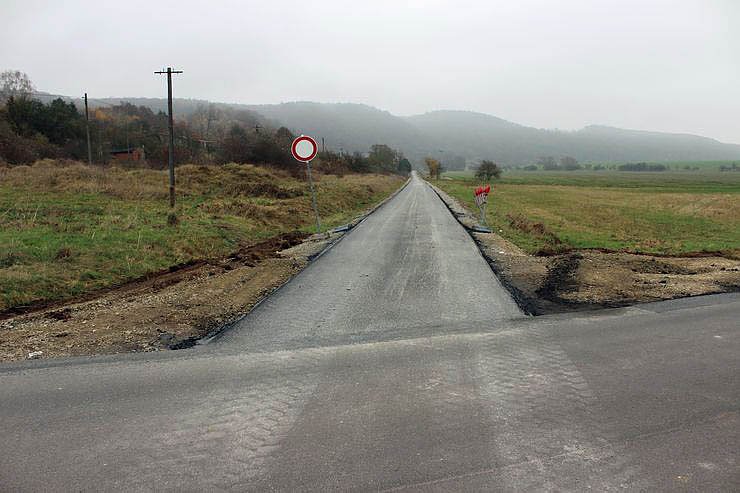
[[224, 440], [546, 417]]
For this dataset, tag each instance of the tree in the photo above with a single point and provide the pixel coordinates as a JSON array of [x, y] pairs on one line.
[[272, 149], [284, 136], [404, 166], [58, 121], [357, 162], [383, 158], [569, 163], [488, 170], [235, 147], [14, 83], [331, 162], [547, 162], [281, 148], [435, 169]]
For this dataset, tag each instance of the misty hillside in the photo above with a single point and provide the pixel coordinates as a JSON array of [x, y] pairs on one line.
[[478, 136], [182, 108], [352, 127], [465, 134]]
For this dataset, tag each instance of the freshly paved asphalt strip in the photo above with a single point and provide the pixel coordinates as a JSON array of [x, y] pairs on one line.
[[645, 398], [409, 267]]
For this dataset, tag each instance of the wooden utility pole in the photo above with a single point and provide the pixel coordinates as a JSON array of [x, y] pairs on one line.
[[87, 130], [171, 153]]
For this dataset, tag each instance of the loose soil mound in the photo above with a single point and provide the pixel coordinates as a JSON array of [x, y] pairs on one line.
[[166, 310]]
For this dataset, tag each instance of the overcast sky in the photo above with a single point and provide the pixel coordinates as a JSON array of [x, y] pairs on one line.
[[670, 65]]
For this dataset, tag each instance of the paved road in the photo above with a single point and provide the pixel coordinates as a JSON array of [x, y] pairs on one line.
[[409, 268], [645, 398]]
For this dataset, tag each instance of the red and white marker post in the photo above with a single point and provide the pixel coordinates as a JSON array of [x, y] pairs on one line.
[[481, 199], [304, 149]]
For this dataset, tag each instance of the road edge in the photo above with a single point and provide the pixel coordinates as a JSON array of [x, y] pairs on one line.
[[519, 298], [345, 230]]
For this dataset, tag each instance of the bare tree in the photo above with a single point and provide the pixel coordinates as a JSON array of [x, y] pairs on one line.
[[14, 83], [435, 169]]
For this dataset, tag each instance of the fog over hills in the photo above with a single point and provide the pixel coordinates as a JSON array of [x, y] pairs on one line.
[[347, 126], [476, 136], [465, 135]]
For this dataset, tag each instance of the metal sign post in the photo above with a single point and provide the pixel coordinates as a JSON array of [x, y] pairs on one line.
[[481, 200], [304, 149]]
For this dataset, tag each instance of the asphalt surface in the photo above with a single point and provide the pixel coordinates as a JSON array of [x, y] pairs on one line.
[[409, 268], [388, 365]]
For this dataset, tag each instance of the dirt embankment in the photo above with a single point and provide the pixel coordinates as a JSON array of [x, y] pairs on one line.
[[587, 279], [168, 310]]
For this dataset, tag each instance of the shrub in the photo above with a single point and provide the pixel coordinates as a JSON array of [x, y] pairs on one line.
[[641, 167], [488, 170]]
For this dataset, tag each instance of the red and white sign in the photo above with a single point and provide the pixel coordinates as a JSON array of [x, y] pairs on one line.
[[304, 148], [481, 195]]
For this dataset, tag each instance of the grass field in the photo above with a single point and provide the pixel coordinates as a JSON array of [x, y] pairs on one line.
[[701, 165], [682, 167], [663, 213], [67, 229]]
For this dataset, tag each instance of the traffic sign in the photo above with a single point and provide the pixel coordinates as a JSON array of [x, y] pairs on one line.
[[304, 148], [481, 199], [481, 195]]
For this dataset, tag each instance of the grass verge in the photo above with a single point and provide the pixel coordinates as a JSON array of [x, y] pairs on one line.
[[654, 213], [592, 279], [67, 229]]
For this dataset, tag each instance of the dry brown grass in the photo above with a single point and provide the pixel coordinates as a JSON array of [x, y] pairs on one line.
[[67, 228], [631, 219], [142, 183]]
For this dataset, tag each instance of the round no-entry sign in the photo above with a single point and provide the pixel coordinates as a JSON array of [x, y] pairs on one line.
[[304, 148]]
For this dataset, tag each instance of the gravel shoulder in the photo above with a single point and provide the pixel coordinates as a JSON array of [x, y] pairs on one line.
[[589, 279]]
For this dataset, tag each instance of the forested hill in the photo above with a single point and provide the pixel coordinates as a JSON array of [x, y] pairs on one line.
[[477, 135], [351, 127], [456, 136]]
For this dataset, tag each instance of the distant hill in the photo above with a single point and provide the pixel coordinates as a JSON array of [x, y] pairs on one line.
[[610, 144], [352, 127], [462, 135], [477, 136]]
